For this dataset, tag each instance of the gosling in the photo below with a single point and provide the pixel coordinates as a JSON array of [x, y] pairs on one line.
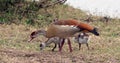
[[82, 38]]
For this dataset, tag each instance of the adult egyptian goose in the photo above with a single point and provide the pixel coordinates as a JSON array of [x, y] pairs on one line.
[[65, 29]]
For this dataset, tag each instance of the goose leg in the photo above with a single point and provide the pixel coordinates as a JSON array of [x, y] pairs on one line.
[[69, 43], [54, 47], [61, 44], [79, 46], [87, 46]]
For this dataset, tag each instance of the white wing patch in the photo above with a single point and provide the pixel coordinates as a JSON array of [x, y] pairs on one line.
[[69, 26]]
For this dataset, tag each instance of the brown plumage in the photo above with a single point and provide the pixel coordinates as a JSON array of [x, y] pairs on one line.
[[67, 28], [74, 23]]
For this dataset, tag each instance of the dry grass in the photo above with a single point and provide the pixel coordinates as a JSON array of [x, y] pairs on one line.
[[14, 47]]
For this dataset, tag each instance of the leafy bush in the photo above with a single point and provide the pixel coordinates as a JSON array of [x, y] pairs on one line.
[[36, 13]]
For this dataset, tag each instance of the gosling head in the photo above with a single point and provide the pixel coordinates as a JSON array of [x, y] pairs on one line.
[[42, 46], [81, 35]]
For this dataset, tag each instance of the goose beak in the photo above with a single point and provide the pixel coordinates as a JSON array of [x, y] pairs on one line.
[[31, 38]]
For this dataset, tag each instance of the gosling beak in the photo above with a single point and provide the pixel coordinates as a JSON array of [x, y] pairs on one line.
[[41, 47]]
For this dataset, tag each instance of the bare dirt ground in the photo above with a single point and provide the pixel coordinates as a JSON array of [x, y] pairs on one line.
[[16, 56]]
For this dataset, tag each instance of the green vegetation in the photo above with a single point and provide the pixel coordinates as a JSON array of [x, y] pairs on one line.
[[22, 12]]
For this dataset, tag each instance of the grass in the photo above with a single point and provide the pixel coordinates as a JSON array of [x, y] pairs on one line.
[[14, 47]]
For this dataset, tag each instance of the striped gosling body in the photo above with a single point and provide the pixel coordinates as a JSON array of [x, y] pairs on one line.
[[55, 40], [82, 38]]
